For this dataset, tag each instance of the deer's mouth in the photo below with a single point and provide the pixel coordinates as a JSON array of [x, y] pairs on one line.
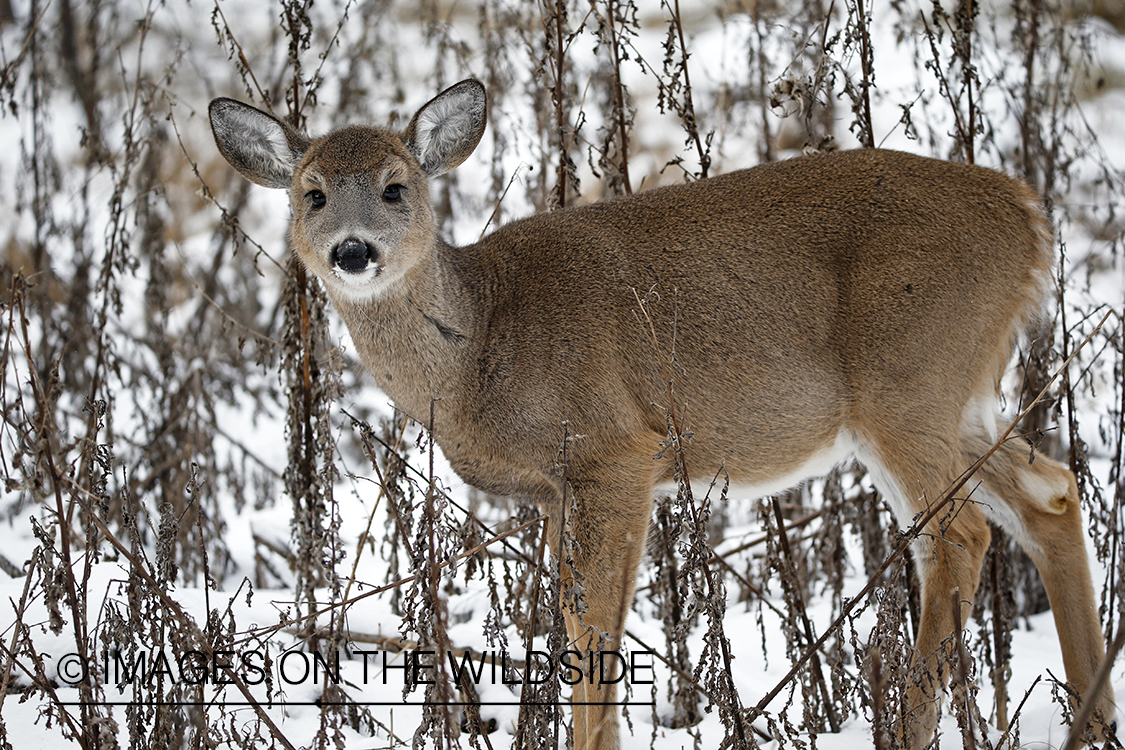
[[358, 277]]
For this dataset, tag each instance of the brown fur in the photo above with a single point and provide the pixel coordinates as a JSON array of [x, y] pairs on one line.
[[863, 302]]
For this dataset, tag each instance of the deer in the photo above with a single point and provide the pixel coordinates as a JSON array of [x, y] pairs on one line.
[[856, 304]]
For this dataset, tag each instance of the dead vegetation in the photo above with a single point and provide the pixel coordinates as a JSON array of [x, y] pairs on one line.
[[170, 379]]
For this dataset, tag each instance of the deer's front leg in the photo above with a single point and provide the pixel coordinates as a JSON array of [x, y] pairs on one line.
[[601, 543]]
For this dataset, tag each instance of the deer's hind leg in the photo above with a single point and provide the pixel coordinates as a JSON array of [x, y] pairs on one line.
[[913, 467], [1035, 500]]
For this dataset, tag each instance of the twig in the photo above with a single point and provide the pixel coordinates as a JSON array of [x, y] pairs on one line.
[[1015, 717], [361, 544], [802, 613], [959, 677], [686, 110], [560, 112], [867, 67], [878, 701], [619, 94]]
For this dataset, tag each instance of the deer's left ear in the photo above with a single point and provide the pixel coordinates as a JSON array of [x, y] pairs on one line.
[[447, 128]]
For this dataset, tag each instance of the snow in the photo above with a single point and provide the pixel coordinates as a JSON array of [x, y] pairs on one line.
[[257, 429]]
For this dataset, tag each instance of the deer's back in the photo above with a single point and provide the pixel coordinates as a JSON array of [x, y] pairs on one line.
[[787, 301]]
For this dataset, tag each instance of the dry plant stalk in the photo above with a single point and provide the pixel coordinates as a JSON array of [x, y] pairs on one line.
[[113, 435]]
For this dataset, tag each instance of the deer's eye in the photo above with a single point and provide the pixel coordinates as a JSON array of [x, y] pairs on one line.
[[392, 193], [316, 198]]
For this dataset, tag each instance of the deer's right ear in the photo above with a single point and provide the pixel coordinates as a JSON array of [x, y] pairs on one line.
[[261, 147]]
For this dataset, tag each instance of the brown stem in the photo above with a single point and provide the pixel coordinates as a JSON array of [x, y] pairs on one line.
[[802, 613], [959, 676], [866, 59], [619, 92], [1000, 622], [87, 738], [560, 114], [688, 116]]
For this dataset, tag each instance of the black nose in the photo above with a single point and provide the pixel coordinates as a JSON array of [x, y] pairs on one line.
[[352, 255]]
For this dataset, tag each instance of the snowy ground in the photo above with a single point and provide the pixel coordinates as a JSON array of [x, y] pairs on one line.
[[758, 665]]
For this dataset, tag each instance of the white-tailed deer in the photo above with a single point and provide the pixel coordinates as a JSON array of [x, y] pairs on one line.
[[862, 303]]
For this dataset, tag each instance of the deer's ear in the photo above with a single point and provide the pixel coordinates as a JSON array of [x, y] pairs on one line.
[[447, 128], [261, 147]]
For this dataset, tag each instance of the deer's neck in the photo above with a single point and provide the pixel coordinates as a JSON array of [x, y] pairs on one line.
[[419, 339]]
